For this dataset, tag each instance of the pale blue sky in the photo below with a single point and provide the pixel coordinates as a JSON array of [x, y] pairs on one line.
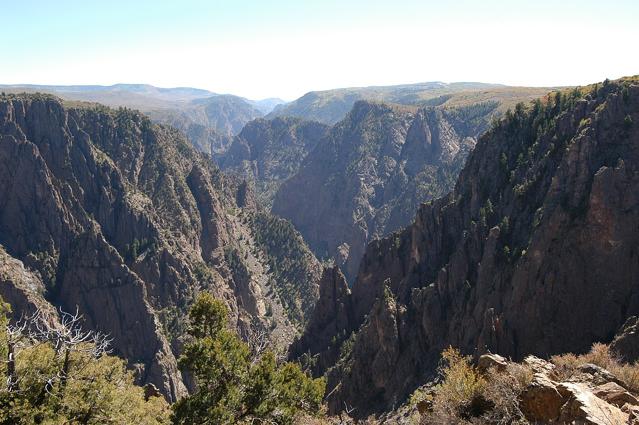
[[286, 48]]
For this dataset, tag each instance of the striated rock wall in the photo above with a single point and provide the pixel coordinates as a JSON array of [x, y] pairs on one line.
[[534, 252], [124, 220], [367, 177], [267, 152]]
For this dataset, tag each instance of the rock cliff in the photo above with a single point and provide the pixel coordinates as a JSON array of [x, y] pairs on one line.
[[267, 152], [534, 252], [104, 211], [367, 177]]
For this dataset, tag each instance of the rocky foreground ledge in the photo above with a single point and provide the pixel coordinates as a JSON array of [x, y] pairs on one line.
[[600, 387]]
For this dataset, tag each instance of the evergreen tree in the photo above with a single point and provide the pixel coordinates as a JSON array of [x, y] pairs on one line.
[[57, 374], [233, 387]]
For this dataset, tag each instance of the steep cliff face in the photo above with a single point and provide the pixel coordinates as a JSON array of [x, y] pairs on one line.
[[267, 152], [367, 177], [326, 328], [104, 211], [535, 251]]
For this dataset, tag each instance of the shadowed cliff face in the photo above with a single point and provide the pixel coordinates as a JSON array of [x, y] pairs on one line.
[[367, 177], [535, 251], [267, 152], [103, 211]]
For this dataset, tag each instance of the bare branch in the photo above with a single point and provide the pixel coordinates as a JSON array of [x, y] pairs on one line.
[[64, 333], [257, 339]]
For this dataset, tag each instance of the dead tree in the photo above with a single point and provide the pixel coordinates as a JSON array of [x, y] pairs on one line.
[[257, 339], [64, 333]]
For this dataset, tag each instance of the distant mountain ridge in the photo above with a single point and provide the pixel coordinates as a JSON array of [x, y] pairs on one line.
[[208, 119], [209, 122], [331, 106]]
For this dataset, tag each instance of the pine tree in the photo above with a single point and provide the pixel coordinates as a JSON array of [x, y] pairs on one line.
[[56, 373], [233, 386]]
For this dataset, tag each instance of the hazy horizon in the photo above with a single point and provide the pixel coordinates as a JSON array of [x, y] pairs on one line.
[[285, 49], [106, 86]]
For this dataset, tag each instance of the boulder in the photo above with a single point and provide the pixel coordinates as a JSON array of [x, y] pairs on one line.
[[541, 401], [150, 390], [633, 413], [583, 407], [538, 365], [595, 375], [492, 361], [615, 394]]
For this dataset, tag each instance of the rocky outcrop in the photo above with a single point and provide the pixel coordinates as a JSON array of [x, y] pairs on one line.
[[21, 288], [546, 400], [367, 177], [332, 314], [103, 211], [626, 341], [534, 252], [541, 401]]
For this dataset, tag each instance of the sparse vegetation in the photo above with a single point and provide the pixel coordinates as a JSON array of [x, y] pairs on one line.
[[466, 396], [292, 266], [600, 355], [461, 391]]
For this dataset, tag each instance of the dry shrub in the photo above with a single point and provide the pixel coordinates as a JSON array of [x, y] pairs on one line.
[[503, 391], [565, 366], [600, 355], [459, 396], [466, 397]]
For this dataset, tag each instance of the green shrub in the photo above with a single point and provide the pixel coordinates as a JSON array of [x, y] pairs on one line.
[[51, 378]]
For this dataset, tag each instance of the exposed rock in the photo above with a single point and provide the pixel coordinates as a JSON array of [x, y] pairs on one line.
[[491, 361], [367, 177], [626, 342], [541, 401], [595, 375], [615, 394], [151, 390], [538, 240], [21, 288], [584, 407], [103, 211], [267, 152], [633, 413], [538, 365], [331, 315]]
